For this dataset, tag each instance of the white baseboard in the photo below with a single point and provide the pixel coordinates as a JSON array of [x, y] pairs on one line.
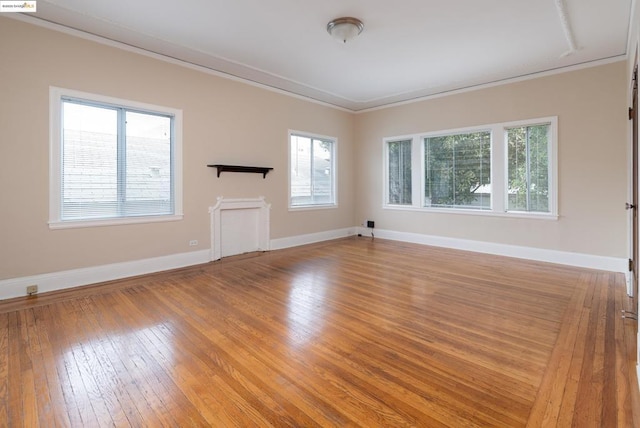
[[611, 264], [16, 287], [295, 241]]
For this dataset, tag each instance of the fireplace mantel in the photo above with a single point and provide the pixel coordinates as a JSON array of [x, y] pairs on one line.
[[264, 170]]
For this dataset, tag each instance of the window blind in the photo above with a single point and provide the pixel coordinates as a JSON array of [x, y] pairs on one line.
[[116, 162]]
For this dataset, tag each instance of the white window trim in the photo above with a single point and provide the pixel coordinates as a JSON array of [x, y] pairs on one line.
[[334, 173], [499, 162], [552, 153], [417, 178], [55, 163]]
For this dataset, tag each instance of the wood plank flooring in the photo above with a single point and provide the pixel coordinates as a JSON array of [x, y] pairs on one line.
[[352, 332]]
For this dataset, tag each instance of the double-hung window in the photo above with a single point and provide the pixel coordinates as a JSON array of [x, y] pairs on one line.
[[502, 169], [312, 179], [112, 161], [399, 178], [528, 168]]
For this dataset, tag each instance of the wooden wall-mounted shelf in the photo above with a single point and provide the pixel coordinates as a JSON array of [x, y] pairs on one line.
[[238, 168]]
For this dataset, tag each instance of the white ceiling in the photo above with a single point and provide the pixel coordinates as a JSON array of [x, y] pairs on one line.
[[408, 49]]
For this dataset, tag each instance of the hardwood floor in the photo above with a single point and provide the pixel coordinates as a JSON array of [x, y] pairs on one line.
[[353, 332]]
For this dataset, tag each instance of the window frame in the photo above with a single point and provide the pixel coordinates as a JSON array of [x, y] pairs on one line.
[[552, 154], [423, 137], [400, 167], [416, 177], [334, 168], [56, 98], [499, 170]]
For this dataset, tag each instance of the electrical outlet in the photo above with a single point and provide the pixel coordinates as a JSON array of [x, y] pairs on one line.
[[193, 242], [32, 289]]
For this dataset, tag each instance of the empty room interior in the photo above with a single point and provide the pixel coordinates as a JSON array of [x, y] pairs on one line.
[[336, 213]]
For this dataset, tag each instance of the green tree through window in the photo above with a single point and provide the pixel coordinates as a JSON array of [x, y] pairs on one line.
[[528, 168], [400, 172], [458, 170]]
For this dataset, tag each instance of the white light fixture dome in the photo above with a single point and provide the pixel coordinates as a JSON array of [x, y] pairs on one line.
[[345, 29]]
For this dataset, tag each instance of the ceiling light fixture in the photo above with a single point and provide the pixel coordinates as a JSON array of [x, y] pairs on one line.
[[345, 29]]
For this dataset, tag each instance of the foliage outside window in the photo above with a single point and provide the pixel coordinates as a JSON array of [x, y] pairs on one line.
[[458, 171], [528, 168], [507, 169], [312, 173], [399, 155], [111, 162]]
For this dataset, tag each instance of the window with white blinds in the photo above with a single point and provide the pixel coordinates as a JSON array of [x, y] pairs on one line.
[[458, 170], [504, 169], [113, 161], [528, 168], [312, 161], [399, 172]]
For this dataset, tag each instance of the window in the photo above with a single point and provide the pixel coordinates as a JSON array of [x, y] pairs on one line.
[[528, 168], [458, 170], [312, 174], [112, 161], [399, 177], [500, 169]]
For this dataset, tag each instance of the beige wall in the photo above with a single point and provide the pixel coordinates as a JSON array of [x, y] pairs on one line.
[[224, 122], [592, 150], [232, 122]]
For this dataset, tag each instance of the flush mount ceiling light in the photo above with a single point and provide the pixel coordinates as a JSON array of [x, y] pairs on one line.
[[345, 29]]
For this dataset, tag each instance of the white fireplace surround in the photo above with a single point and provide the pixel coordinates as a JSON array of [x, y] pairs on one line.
[[246, 220]]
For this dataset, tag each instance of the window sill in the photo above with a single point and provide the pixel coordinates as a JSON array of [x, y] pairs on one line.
[[487, 213], [312, 207], [112, 221]]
